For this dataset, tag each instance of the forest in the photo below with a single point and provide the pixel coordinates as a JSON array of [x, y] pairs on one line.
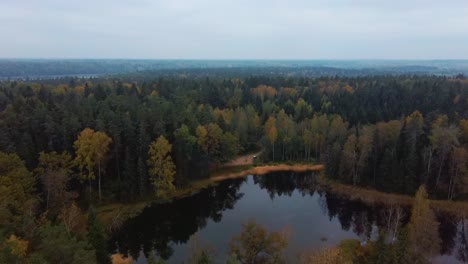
[[33, 69], [70, 144]]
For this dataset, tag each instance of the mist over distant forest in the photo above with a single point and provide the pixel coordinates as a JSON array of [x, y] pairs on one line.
[[56, 68]]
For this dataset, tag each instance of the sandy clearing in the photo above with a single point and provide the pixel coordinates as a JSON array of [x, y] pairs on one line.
[[260, 170], [247, 159]]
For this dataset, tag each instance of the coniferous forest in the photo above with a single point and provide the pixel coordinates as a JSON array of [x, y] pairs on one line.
[[70, 144]]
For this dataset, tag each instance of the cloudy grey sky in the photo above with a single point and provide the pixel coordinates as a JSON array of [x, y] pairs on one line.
[[234, 29]]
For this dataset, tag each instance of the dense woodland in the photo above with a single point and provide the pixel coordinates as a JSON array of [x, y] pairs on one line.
[[82, 141]]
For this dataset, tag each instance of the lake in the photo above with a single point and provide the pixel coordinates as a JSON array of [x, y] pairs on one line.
[[279, 201]]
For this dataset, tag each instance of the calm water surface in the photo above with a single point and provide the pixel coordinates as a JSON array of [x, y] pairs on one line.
[[279, 201]]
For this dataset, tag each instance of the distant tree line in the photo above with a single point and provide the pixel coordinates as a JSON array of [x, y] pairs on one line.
[[35, 69]]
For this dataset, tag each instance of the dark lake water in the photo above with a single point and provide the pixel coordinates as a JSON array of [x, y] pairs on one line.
[[279, 201]]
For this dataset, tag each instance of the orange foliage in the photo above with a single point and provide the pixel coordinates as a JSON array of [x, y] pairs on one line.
[[348, 88], [226, 114], [121, 259], [263, 91], [79, 89]]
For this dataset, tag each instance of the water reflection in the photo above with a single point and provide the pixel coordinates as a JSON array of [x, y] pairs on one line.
[[162, 224], [285, 183], [462, 237], [159, 227]]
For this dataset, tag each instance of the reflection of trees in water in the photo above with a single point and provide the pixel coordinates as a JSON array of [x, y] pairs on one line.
[[353, 215], [462, 249], [360, 218], [157, 227], [394, 215], [285, 183], [162, 224], [447, 231], [453, 232]]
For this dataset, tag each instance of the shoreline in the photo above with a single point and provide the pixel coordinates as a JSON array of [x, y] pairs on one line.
[[264, 169], [356, 193], [373, 196], [107, 212]]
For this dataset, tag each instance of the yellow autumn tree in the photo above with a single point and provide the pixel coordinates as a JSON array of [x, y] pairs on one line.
[[202, 137], [256, 245], [91, 152], [14, 250], [424, 237], [161, 167], [263, 91]]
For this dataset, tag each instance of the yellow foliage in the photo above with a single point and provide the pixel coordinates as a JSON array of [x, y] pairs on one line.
[[79, 89], [255, 245], [226, 114], [348, 88], [72, 218], [209, 138], [263, 91], [200, 107], [270, 129], [18, 246], [202, 137], [154, 93], [36, 87], [60, 89], [161, 167], [91, 148], [127, 85], [423, 228], [416, 116]]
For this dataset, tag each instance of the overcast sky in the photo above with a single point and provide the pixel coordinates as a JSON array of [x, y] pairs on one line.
[[235, 29]]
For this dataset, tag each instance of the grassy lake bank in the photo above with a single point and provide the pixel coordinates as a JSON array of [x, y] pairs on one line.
[[372, 196], [115, 213], [118, 212]]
